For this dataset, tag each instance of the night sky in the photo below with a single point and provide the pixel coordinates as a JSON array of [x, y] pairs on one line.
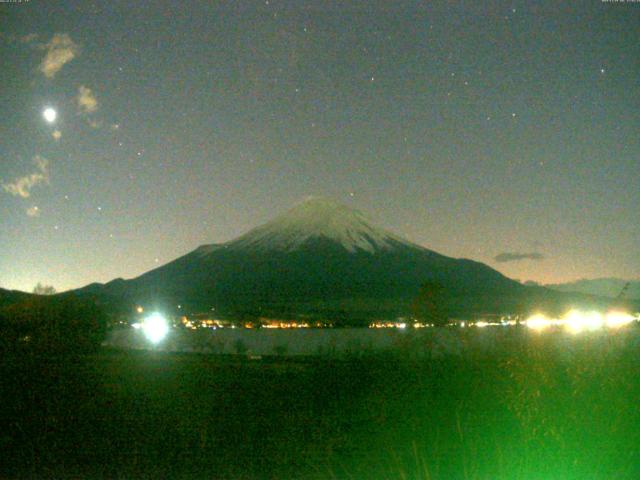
[[505, 132]]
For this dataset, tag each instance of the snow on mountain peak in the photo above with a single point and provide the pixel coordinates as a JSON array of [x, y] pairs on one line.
[[318, 218]]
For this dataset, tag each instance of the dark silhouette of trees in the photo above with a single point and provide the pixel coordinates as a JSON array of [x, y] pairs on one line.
[[41, 289], [430, 305], [53, 324]]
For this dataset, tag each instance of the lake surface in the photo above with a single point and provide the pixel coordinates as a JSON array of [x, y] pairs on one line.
[[425, 342]]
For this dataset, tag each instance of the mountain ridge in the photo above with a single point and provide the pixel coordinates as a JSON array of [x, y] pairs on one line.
[[321, 259]]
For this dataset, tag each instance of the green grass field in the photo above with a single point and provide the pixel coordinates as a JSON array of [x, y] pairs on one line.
[[529, 411]]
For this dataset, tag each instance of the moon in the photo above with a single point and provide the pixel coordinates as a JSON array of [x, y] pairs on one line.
[[50, 114]]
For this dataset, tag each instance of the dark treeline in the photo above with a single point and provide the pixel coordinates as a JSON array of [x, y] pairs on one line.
[[56, 324]]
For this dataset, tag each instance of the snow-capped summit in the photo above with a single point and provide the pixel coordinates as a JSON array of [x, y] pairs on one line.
[[318, 218]]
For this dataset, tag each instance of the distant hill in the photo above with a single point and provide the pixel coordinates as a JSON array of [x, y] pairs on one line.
[[326, 260], [605, 287], [50, 323], [10, 297]]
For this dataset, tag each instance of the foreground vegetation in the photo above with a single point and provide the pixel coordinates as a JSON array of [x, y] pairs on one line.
[[528, 410]]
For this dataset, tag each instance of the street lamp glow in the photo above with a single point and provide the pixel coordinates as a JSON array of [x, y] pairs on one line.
[[537, 322], [50, 114], [155, 327], [577, 321], [618, 319]]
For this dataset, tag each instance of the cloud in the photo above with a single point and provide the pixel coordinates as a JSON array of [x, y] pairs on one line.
[[517, 256], [11, 38], [33, 211], [57, 134], [87, 102], [30, 38], [60, 50], [22, 186]]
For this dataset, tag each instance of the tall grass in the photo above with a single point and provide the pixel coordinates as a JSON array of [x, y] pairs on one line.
[[533, 406], [503, 404]]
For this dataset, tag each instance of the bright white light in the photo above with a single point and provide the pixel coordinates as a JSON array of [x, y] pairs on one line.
[[50, 114], [577, 321], [593, 320], [538, 322], [481, 324], [155, 327], [618, 319]]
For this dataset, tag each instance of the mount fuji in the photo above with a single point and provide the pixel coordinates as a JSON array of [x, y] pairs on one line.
[[320, 259]]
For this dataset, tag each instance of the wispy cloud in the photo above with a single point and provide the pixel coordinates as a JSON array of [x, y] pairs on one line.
[[87, 102], [21, 187], [29, 38], [517, 256], [33, 211], [60, 50]]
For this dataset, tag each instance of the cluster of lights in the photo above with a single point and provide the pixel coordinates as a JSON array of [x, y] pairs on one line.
[[286, 325], [388, 325], [207, 323], [483, 323], [576, 321], [400, 325]]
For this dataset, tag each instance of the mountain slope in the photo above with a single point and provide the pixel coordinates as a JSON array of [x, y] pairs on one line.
[[606, 287]]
